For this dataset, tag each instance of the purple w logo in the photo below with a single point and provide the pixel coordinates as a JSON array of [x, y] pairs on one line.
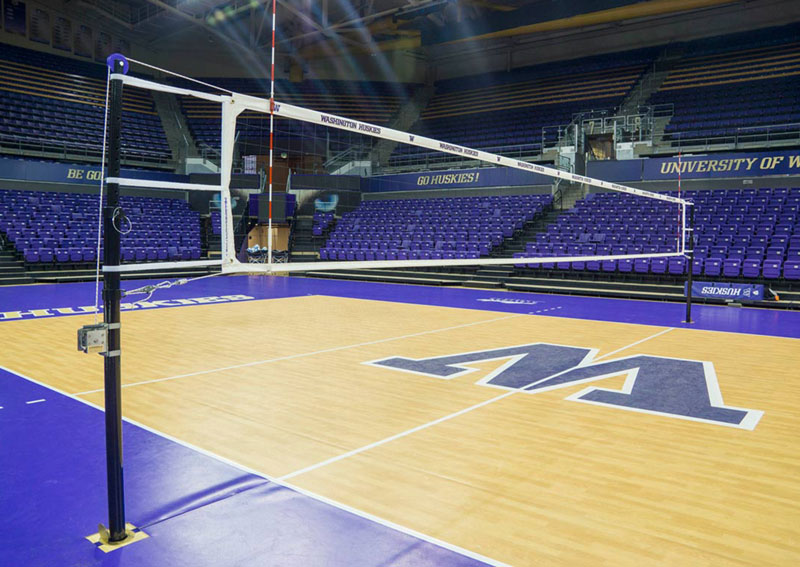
[[672, 387]]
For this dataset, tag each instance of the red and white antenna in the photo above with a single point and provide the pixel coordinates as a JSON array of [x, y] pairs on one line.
[[271, 132]]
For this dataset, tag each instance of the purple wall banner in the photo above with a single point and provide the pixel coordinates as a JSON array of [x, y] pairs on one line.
[[62, 33], [732, 291], [458, 178], [40, 26], [83, 41], [102, 46], [751, 164], [26, 170], [15, 17], [122, 46]]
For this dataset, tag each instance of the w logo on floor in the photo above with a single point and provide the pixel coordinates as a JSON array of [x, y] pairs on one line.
[[672, 387]]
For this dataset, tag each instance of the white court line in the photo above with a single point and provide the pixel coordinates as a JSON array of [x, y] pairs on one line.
[[319, 498], [443, 419], [304, 354], [34, 401]]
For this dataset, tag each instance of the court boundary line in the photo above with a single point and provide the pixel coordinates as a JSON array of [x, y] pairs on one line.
[[442, 419], [277, 480], [304, 354]]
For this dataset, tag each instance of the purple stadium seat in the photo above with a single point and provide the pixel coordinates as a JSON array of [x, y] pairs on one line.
[[731, 268], [791, 270], [771, 269], [751, 268], [609, 265], [712, 267], [658, 265], [625, 265], [46, 255], [641, 265], [31, 255], [676, 266]]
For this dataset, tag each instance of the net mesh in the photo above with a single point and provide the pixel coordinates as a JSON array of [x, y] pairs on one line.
[[330, 165]]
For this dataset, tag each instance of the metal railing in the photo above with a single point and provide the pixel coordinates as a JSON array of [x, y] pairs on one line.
[[749, 136], [22, 145]]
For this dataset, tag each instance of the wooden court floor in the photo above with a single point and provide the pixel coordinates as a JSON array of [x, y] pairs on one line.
[[280, 386]]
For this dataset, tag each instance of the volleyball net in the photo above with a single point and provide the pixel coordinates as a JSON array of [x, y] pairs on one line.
[[406, 232]]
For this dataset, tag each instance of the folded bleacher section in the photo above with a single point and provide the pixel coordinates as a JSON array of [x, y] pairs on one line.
[[55, 104], [740, 233], [745, 85], [507, 111], [445, 228], [49, 228]]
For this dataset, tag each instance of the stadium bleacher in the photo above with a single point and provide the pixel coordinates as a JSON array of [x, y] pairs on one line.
[[749, 233], [373, 102], [511, 109], [58, 228], [49, 102], [444, 228], [744, 85]]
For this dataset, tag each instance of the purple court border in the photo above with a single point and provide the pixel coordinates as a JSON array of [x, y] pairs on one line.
[[50, 300], [198, 509]]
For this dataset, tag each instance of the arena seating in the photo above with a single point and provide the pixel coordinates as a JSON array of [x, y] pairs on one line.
[[51, 102], [374, 102], [321, 222], [48, 227], [446, 228], [510, 109], [748, 233], [744, 85]]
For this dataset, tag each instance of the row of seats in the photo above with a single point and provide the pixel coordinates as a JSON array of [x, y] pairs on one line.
[[375, 102], [47, 101], [677, 266], [737, 85], [738, 232], [515, 109], [47, 227], [435, 228]]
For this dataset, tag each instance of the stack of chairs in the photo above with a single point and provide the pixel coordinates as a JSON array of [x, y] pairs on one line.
[[49, 228], [446, 228]]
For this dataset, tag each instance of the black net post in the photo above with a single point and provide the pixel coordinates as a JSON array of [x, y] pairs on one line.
[[112, 296], [689, 241]]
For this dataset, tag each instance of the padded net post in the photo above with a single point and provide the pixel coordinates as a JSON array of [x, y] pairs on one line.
[[112, 296], [689, 232]]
